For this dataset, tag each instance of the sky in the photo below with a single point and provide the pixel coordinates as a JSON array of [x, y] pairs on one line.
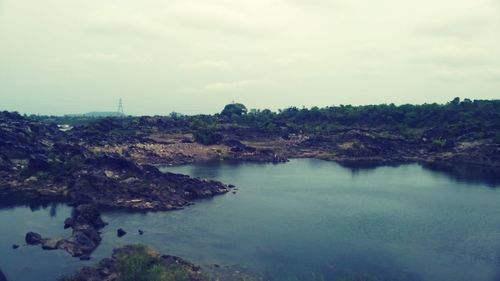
[[188, 56]]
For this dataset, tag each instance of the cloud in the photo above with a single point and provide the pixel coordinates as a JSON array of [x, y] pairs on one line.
[[457, 56], [294, 59], [115, 20], [462, 28], [111, 58], [233, 86], [218, 18], [209, 65]]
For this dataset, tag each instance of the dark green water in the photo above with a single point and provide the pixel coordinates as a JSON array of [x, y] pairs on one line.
[[303, 218]]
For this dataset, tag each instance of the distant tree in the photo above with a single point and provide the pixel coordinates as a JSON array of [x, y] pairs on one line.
[[455, 101], [237, 109], [207, 136]]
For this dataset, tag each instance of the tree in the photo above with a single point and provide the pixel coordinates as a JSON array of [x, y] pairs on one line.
[[237, 109]]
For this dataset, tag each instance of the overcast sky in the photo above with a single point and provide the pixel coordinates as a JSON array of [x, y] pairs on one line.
[[69, 56]]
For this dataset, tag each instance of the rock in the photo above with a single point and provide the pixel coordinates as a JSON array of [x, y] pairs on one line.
[[33, 238], [140, 232], [2, 276], [50, 243], [69, 222], [84, 257], [120, 233], [109, 268], [88, 213], [15, 246]]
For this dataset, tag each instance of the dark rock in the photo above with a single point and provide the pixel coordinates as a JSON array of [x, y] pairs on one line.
[[108, 268], [140, 232], [69, 222], [38, 163], [84, 257], [50, 243], [2, 276], [88, 214], [33, 238], [15, 246], [120, 233]]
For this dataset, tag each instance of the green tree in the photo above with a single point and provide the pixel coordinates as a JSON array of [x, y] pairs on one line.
[[237, 109]]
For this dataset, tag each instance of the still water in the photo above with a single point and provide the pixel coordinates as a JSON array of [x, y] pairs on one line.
[[303, 220]]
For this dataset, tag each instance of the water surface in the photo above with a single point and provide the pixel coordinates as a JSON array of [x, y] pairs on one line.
[[302, 219]]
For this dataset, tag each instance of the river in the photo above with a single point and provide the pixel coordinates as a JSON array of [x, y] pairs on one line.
[[303, 220]]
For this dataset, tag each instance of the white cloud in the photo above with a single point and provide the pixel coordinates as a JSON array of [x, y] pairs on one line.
[[218, 18], [118, 20], [209, 65], [294, 59], [232, 86]]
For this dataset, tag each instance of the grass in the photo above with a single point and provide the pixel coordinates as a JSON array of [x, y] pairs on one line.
[[142, 264], [145, 265]]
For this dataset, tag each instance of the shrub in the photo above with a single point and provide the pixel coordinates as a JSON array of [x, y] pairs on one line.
[[145, 265], [207, 136]]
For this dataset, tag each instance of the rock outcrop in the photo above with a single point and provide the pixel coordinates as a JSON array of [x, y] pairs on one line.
[[85, 221], [37, 161]]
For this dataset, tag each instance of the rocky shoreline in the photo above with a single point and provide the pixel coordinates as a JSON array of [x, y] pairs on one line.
[[39, 163], [149, 264], [113, 167]]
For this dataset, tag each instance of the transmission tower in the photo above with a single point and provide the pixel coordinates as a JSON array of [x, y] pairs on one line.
[[120, 107]]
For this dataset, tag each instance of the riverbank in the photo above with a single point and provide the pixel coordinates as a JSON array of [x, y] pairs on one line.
[[140, 263]]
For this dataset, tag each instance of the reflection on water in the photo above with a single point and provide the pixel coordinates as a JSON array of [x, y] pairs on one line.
[[468, 174], [302, 220]]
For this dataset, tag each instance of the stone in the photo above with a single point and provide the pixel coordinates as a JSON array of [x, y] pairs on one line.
[[33, 238], [84, 257], [120, 233], [15, 246], [2, 276], [50, 243]]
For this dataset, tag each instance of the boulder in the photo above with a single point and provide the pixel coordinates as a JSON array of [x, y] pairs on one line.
[[2, 276], [120, 233], [50, 243], [33, 238]]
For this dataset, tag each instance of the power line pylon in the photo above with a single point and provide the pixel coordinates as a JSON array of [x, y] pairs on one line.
[[120, 107]]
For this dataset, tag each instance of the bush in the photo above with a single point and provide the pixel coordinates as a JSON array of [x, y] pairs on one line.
[[207, 136], [234, 109], [143, 265]]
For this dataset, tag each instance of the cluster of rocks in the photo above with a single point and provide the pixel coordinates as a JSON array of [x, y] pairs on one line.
[[40, 162], [85, 222], [108, 269]]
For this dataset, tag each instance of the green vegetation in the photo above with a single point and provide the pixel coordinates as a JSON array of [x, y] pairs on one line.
[[478, 119], [234, 109], [140, 263], [145, 265], [207, 136]]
